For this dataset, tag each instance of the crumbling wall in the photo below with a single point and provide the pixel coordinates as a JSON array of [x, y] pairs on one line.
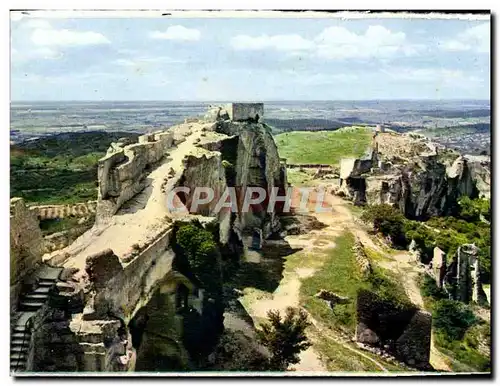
[[49, 212], [121, 173], [135, 281], [26, 245], [245, 111], [404, 332]]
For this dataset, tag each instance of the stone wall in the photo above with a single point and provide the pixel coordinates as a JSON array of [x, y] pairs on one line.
[[121, 173], [403, 332], [245, 111], [49, 212], [120, 290], [26, 245]]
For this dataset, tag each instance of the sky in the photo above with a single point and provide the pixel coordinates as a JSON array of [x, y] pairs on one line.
[[197, 59]]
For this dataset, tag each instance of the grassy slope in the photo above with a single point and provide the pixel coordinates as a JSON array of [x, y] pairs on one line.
[[60, 169], [324, 147], [340, 274]]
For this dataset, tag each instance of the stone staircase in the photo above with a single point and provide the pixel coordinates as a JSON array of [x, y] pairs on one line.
[[21, 327]]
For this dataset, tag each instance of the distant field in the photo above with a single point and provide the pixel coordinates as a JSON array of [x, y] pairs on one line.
[[59, 169], [323, 147]]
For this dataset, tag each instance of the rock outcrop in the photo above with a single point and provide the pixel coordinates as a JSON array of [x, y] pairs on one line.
[[462, 280], [128, 272], [439, 266], [422, 179]]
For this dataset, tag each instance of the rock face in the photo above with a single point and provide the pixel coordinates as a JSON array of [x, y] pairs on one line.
[[26, 245], [417, 176], [439, 266], [463, 279], [404, 333], [242, 155]]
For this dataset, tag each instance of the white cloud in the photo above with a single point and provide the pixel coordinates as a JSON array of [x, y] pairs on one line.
[[45, 53], [476, 38], [435, 75], [36, 24], [278, 42], [146, 60], [177, 32], [335, 43], [48, 36]]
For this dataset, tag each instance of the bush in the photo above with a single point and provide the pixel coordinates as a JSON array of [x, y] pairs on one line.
[[237, 352], [285, 338], [430, 289], [202, 254], [387, 220], [452, 318]]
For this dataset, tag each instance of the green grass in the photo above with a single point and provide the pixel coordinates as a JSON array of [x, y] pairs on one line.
[[339, 274], [338, 358], [298, 178], [322, 147]]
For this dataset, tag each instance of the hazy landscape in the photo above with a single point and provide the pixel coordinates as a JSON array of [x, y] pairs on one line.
[[464, 125], [212, 192]]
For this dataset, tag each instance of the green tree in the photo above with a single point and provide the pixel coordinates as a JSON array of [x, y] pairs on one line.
[[452, 318], [202, 253], [285, 338], [387, 220]]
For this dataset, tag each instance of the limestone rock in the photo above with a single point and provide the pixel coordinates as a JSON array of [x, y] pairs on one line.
[[414, 344], [331, 297], [439, 266]]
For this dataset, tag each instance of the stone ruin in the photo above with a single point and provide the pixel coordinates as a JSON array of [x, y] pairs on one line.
[[404, 333], [412, 174], [461, 279], [119, 296]]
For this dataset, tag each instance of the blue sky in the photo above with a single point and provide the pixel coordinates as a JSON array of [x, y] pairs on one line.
[[248, 59]]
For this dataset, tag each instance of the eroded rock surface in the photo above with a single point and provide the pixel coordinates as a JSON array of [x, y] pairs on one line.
[[419, 177]]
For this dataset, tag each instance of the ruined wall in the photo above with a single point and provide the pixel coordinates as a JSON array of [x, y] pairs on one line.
[[245, 111], [121, 173], [26, 245], [135, 281], [404, 333], [49, 212]]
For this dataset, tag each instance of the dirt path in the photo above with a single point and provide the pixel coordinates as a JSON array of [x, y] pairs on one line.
[[287, 294], [408, 271]]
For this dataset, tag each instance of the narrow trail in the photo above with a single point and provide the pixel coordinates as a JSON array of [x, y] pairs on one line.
[[408, 273], [287, 294], [288, 291], [328, 334]]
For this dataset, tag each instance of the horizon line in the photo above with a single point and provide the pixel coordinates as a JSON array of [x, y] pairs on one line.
[[249, 100]]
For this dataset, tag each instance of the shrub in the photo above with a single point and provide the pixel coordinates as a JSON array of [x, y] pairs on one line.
[[387, 220], [452, 318], [285, 338], [202, 253], [430, 289], [237, 352]]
